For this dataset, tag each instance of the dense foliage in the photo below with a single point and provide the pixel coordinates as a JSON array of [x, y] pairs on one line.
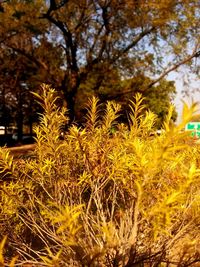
[[106, 195], [87, 47]]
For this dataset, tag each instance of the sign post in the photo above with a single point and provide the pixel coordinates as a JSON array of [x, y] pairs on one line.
[[194, 128]]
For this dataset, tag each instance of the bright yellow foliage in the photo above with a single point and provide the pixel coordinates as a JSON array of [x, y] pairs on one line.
[[106, 195]]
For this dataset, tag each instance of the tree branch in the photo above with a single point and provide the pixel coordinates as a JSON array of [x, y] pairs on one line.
[[70, 45], [8, 37], [176, 66], [53, 6], [37, 62], [106, 24], [134, 42], [164, 74]]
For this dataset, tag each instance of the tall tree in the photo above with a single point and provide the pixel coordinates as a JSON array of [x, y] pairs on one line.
[[22, 64], [68, 42]]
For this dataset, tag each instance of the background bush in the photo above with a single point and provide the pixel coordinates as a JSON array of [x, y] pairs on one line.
[[106, 195]]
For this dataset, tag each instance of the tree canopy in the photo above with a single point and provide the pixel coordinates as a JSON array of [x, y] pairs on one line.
[[82, 47]]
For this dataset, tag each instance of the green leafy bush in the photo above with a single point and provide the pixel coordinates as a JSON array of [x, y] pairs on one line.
[[106, 195]]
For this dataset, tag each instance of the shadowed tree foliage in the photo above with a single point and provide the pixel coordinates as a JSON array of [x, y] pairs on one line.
[[81, 46], [158, 96]]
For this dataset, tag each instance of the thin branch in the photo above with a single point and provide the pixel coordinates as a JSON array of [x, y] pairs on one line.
[[106, 23], [39, 63], [134, 43], [195, 54], [8, 37], [91, 49], [121, 53], [36, 61], [176, 66], [81, 18], [53, 6]]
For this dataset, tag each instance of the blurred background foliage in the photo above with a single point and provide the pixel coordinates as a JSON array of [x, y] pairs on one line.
[[107, 48]]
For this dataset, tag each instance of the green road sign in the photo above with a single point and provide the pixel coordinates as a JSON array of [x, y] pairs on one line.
[[194, 128]]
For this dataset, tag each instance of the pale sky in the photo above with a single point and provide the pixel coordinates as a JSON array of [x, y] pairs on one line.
[[192, 89]]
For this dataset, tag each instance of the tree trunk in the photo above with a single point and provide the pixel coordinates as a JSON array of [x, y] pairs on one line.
[[31, 117], [69, 87], [20, 117]]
